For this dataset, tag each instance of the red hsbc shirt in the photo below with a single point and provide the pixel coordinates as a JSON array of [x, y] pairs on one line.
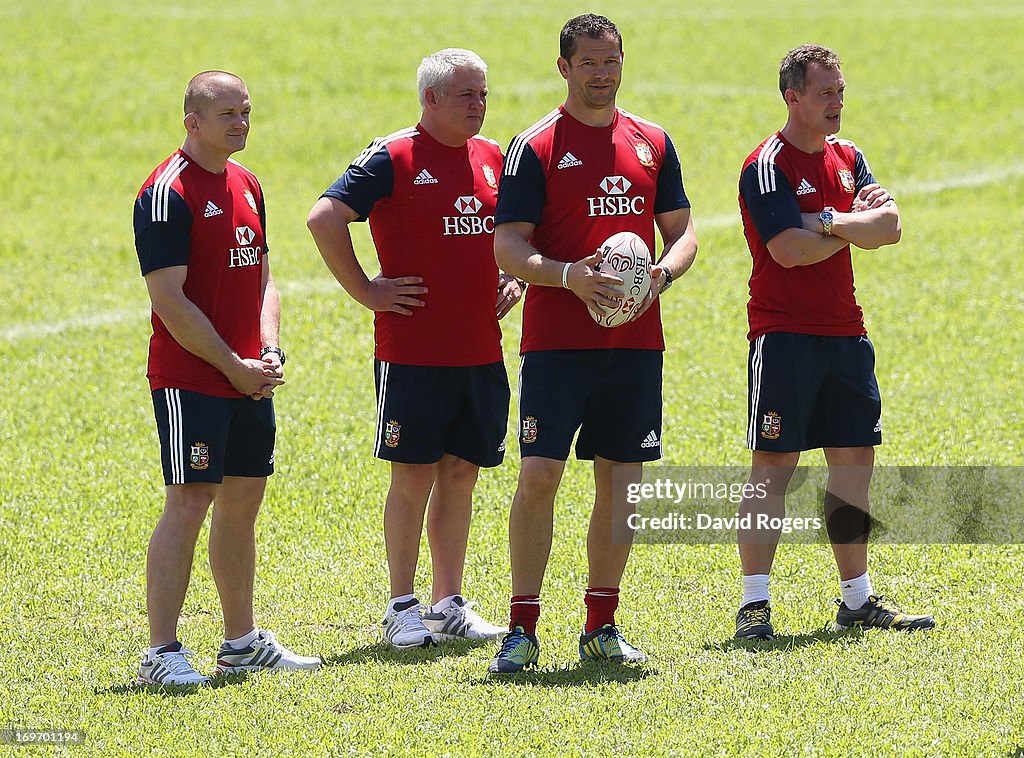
[[777, 184], [580, 185], [431, 213], [213, 224]]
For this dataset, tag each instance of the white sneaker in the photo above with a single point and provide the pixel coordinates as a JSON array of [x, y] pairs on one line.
[[460, 621], [265, 652], [404, 629], [171, 667]]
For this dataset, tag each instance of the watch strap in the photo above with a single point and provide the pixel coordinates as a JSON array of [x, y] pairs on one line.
[[273, 349], [669, 279]]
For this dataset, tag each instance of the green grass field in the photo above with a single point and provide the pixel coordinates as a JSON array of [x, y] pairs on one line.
[[93, 98]]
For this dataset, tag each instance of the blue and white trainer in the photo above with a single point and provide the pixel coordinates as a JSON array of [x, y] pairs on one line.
[[403, 626], [169, 667], [459, 621], [264, 653]]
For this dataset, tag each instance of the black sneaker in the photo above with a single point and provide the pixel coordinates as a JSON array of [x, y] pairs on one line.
[[754, 622], [879, 613]]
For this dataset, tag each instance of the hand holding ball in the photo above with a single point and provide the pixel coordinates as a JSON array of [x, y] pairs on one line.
[[627, 257]]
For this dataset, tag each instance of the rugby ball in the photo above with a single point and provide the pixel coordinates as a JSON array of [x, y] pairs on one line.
[[627, 257]]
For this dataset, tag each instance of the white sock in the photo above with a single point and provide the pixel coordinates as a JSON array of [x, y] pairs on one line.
[[755, 588], [152, 651], [245, 640], [856, 591], [447, 602], [398, 600]]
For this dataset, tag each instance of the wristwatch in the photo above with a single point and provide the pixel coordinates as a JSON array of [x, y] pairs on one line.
[[825, 217], [668, 279], [273, 349]]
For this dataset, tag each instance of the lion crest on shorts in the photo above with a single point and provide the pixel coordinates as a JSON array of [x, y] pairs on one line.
[[529, 430], [392, 433], [771, 427], [199, 458]]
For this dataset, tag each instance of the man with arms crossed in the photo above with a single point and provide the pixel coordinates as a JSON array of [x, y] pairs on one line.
[[805, 197], [582, 173], [214, 362], [442, 393]]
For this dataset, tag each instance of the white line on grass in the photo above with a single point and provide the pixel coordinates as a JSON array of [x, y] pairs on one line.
[[45, 329], [35, 330], [976, 179], [963, 181], [31, 330]]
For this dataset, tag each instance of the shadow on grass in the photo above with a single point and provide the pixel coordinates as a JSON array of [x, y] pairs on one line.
[[382, 652], [583, 674], [181, 690], [785, 642]]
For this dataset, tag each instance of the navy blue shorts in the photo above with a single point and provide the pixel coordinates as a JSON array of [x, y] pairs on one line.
[[809, 391], [205, 438], [424, 412], [561, 391]]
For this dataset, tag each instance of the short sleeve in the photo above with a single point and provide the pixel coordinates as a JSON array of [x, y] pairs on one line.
[[671, 195], [263, 222], [770, 200], [369, 179], [862, 171], [523, 187], [163, 232]]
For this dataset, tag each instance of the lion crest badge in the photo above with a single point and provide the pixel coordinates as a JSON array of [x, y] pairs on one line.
[[644, 154], [199, 458], [529, 430], [392, 433], [771, 426], [492, 180]]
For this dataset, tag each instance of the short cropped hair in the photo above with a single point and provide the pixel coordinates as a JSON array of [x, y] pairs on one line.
[[437, 71], [793, 68], [588, 25], [202, 89]]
